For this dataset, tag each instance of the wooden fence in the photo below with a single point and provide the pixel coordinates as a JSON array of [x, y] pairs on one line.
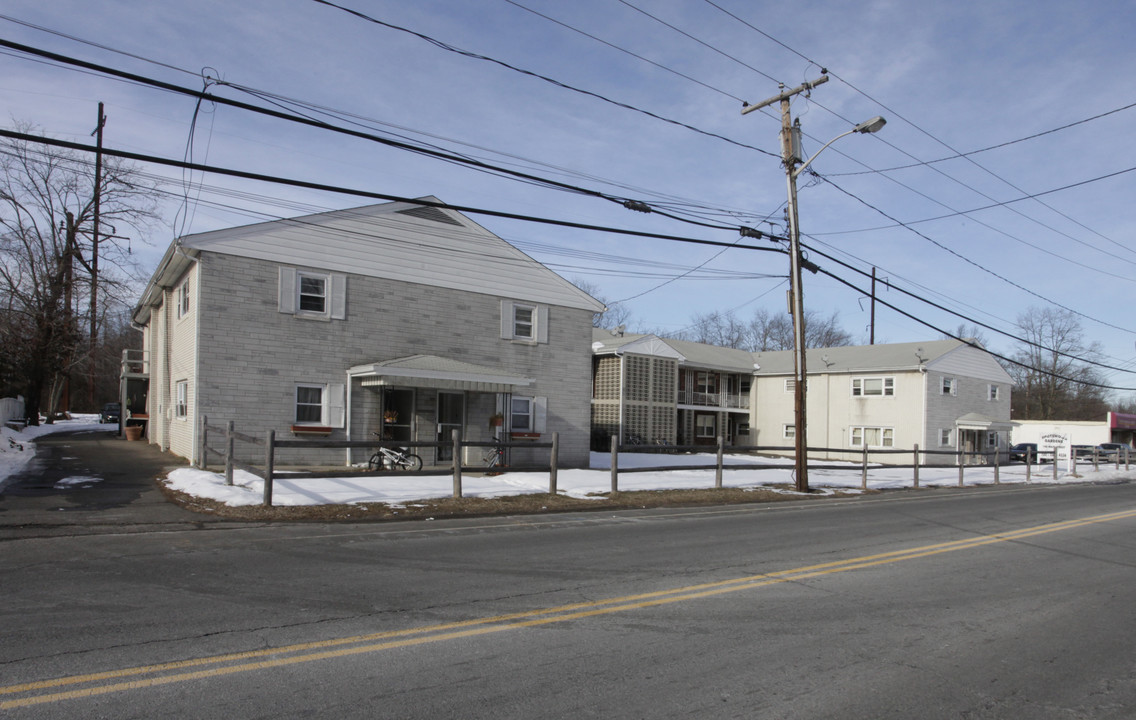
[[269, 445]]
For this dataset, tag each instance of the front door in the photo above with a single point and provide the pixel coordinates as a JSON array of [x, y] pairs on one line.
[[451, 416]]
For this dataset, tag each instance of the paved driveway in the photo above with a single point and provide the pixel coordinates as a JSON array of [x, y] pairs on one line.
[[91, 482]]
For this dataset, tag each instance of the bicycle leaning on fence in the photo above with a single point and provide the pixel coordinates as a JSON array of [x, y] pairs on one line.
[[394, 459], [495, 456]]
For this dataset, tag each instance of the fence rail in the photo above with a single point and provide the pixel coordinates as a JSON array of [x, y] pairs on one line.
[[270, 444], [993, 458]]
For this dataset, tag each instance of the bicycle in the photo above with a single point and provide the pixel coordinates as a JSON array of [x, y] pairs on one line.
[[394, 459], [495, 457]]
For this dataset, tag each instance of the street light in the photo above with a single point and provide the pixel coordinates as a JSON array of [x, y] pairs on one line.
[[800, 378], [789, 134]]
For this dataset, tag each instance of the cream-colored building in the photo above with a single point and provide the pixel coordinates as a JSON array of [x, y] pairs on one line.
[[942, 395]]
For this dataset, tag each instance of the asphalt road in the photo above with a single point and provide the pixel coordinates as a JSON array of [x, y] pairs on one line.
[[1000, 602]]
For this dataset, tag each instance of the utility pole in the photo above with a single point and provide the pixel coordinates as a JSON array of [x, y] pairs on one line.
[[872, 340], [789, 158], [98, 133]]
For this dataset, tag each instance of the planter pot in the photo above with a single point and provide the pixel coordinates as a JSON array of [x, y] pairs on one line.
[[133, 432]]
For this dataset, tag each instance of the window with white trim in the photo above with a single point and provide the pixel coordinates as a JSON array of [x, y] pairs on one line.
[[992, 392], [522, 415], [882, 437], [945, 438], [524, 322], [311, 293], [183, 299], [181, 399], [948, 386], [320, 405], [791, 385], [991, 440], [789, 431], [873, 386]]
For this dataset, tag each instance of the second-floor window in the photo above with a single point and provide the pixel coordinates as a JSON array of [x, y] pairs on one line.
[[524, 322], [992, 392], [312, 293], [949, 386], [706, 382], [873, 386], [183, 299]]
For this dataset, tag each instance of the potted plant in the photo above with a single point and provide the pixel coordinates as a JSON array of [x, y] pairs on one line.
[[390, 416], [496, 420]]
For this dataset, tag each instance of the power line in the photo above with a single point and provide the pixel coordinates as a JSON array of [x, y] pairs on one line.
[[530, 73], [374, 195]]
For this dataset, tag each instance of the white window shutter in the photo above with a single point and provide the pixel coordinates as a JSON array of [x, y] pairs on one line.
[[506, 319], [540, 413], [287, 292], [338, 296], [542, 324], [335, 404]]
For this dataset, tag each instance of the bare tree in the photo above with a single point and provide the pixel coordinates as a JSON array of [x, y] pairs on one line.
[[968, 332], [1053, 377], [718, 328], [46, 207], [615, 315], [774, 331]]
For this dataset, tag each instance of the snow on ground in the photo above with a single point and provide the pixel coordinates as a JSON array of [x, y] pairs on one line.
[[248, 489], [13, 459], [757, 472]]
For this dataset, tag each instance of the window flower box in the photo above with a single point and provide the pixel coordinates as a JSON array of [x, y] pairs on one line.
[[311, 430]]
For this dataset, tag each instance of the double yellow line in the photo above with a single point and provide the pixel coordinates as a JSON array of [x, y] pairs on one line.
[[46, 691]]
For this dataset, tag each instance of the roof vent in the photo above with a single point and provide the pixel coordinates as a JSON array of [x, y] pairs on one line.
[[430, 213]]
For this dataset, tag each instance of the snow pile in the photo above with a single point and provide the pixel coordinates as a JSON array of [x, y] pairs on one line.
[[17, 448]]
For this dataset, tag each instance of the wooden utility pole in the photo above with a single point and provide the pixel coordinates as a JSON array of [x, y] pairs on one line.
[[98, 133], [872, 334]]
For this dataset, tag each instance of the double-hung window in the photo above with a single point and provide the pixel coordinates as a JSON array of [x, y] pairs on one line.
[[524, 322], [181, 399], [949, 386], [705, 426], [309, 404], [183, 299], [312, 294], [992, 392], [873, 386], [945, 437], [789, 431], [522, 415]]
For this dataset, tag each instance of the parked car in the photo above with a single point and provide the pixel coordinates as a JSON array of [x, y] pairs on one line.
[[1084, 451], [1018, 452], [111, 413], [1111, 450]]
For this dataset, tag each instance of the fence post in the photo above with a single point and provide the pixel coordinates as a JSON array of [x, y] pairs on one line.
[[456, 434], [1054, 463], [916, 468], [1029, 459], [229, 439], [864, 468], [269, 464], [614, 464], [997, 480], [1126, 457], [961, 462], [718, 469], [1096, 460], [203, 457], [552, 462]]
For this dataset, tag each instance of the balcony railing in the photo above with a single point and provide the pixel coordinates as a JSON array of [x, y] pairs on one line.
[[717, 400], [135, 363]]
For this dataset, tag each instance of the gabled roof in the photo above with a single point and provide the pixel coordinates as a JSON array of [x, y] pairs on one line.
[[421, 244], [954, 356]]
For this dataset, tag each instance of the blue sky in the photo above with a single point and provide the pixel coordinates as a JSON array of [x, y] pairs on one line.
[[949, 77]]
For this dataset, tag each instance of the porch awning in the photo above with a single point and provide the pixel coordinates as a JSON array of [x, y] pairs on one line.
[[431, 371], [975, 421]]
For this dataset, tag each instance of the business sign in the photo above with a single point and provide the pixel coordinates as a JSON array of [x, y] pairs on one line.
[[1053, 443], [1123, 421]]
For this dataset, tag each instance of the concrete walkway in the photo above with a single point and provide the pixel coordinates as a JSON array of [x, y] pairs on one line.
[[89, 482]]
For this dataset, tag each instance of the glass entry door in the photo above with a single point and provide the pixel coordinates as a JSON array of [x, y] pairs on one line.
[[451, 416]]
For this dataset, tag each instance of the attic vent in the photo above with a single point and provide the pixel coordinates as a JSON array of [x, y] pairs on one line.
[[430, 213]]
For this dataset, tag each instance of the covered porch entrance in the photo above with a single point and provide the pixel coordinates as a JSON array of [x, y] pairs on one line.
[[424, 398]]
